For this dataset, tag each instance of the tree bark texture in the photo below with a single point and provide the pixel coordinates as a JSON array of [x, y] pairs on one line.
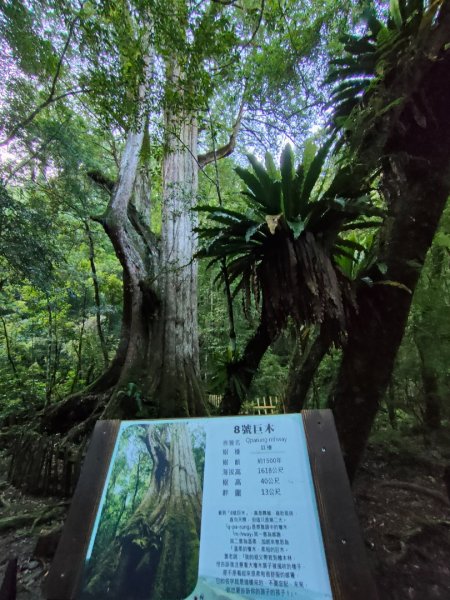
[[416, 182], [174, 366], [430, 384], [8, 347], [155, 371], [100, 333], [241, 373]]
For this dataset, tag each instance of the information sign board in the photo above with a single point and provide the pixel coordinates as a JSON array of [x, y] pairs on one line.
[[203, 509]]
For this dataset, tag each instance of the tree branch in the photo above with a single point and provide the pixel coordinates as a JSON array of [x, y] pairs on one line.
[[23, 163], [101, 179], [232, 332], [8, 347], [228, 3], [258, 25], [51, 97], [227, 149]]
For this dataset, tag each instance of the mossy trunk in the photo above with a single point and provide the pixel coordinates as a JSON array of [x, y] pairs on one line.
[[416, 182]]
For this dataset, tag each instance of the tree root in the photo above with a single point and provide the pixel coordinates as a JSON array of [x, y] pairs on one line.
[[79, 433], [407, 543], [414, 487], [33, 519], [397, 557], [4, 503], [60, 418]]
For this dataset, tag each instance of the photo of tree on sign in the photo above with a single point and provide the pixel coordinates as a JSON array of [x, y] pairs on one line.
[[148, 536]]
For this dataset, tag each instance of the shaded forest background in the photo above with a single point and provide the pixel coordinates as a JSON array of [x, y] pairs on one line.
[[118, 122], [244, 198]]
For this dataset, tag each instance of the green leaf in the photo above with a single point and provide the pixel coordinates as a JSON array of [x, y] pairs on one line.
[[351, 244], [297, 227], [266, 192], [396, 14], [361, 225], [222, 210], [224, 216], [296, 192], [314, 172], [309, 153], [367, 280], [382, 267], [260, 171], [287, 176], [442, 239], [252, 182], [251, 231], [272, 170]]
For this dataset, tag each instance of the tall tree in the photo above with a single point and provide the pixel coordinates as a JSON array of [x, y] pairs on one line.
[[145, 64], [402, 126]]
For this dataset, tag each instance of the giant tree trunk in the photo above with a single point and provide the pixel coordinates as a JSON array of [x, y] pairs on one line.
[[174, 369], [160, 375], [416, 181], [155, 371]]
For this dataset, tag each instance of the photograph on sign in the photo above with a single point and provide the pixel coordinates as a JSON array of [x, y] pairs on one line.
[[146, 541], [208, 509]]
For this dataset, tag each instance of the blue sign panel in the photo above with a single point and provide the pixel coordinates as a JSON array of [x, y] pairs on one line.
[[208, 509]]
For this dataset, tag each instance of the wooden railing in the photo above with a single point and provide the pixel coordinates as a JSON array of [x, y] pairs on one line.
[[267, 405]]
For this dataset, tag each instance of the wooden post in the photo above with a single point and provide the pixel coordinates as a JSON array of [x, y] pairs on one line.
[[65, 575], [349, 571]]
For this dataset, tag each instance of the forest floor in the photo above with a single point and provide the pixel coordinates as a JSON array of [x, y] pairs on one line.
[[400, 498], [404, 511]]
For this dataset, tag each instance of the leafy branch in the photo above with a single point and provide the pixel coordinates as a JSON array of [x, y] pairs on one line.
[[52, 97]]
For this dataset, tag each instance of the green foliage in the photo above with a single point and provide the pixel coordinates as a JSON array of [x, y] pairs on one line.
[[26, 249], [19, 26], [374, 77], [285, 204], [47, 296]]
